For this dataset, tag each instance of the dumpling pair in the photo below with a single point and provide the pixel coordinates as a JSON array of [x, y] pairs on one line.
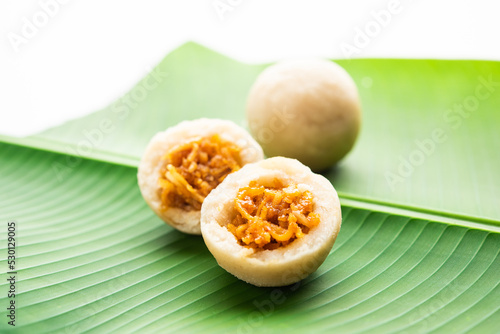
[[269, 222]]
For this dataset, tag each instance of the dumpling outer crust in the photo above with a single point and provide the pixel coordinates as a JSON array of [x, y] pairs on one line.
[[305, 109], [282, 266], [162, 142]]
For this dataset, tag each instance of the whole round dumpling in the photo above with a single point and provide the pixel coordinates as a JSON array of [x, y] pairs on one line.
[[184, 163], [272, 223], [305, 109]]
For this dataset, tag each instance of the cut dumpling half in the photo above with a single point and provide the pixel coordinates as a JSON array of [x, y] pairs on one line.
[[272, 223], [183, 164]]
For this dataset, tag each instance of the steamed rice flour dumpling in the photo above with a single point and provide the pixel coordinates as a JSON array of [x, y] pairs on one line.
[[307, 109], [183, 164], [272, 223]]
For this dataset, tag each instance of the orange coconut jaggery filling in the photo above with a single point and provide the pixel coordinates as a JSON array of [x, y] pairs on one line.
[[272, 217], [191, 170]]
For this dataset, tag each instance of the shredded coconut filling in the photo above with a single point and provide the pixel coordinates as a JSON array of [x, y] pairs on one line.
[[272, 217], [190, 171]]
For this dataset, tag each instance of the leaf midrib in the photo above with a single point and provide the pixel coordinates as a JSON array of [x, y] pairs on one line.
[[108, 157]]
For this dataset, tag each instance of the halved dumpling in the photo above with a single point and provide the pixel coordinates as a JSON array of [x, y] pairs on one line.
[[183, 164], [272, 223]]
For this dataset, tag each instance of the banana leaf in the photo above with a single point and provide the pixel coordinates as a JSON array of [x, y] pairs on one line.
[[418, 250]]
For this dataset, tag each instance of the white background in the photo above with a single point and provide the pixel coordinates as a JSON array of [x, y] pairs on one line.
[[87, 53]]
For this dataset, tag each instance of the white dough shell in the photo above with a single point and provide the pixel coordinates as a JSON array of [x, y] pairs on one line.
[[285, 265], [305, 109], [162, 142]]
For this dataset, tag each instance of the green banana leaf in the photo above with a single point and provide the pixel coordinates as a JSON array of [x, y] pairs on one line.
[[418, 250]]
